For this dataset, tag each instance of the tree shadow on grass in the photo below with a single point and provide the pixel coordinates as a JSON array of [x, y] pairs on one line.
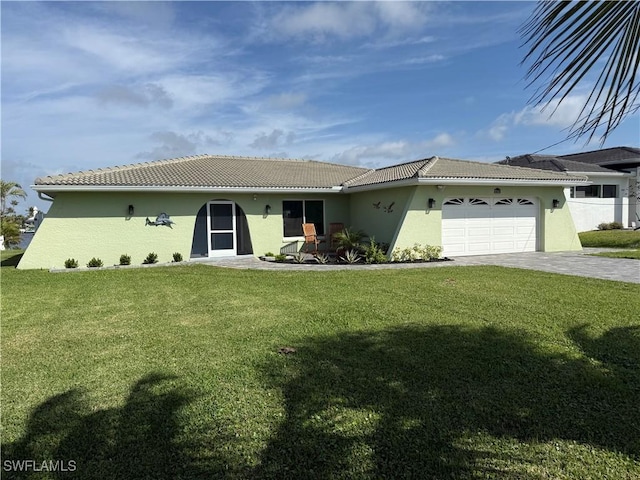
[[413, 402], [142, 439], [11, 261]]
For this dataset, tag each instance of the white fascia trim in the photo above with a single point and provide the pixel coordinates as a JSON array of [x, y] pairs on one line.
[[605, 174], [245, 190], [469, 181]]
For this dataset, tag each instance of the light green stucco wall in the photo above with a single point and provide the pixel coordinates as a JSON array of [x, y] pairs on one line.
[[377, 222], [412, 222], [83, 225]]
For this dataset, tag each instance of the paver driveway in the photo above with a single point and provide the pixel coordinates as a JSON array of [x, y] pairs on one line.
[[569, 263]]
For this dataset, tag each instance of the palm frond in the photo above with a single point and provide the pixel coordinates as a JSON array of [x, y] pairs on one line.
[[567, 43]]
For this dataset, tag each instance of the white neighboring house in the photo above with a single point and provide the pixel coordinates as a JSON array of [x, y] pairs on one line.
[[613, 194], [34, 221]]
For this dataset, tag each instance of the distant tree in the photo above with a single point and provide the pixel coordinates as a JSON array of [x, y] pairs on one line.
[[568, 40], [10, 230], [9, 191], [10, 223]]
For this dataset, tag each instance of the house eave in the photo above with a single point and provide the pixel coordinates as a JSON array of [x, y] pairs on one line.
[[471, 182], [605, 174], [52, 189]]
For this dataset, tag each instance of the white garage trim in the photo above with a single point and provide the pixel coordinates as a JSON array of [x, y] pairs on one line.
[[481, 226]]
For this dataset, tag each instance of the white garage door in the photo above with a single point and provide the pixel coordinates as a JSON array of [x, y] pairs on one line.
[[480, 226]]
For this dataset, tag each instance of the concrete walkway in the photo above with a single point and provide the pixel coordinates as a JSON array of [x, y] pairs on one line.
[[569, 263]]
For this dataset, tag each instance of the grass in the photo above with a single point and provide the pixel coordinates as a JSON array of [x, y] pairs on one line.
[[611, 239], [449, 372], [626, 239], [632, 254]]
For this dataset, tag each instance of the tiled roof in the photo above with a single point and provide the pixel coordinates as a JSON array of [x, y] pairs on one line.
[[607, 156], [215, 172], [553, 163], [208, 171], [450, 169]]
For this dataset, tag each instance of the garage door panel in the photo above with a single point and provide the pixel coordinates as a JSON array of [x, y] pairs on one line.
[[507, 230], [470, 229], [478, 232]]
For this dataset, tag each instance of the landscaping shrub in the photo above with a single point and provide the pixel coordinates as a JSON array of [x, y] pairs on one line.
[[610, 226], [299, 258], [373, 253], [177, 257], [350, 240], [151, 258], [281, 257], [417, 252], [351, 257], [321, 258], [125, 259], [70, 263], [94, 263]]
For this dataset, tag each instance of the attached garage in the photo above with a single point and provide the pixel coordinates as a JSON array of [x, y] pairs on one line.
[[481, 226]]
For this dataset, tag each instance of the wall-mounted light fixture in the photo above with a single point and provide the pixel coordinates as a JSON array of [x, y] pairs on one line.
[[431, 203], [556, 203], [496, 191], [255, 197], [130, 210], [267, 209], [440, 187]]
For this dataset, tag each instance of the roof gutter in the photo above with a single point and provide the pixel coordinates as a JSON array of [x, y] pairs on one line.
[[46, 199], [570, 181], [605, 174], [182, 189]]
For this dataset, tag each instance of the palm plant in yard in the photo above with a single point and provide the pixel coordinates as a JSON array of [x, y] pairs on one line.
[[570, 41], [350, 239]]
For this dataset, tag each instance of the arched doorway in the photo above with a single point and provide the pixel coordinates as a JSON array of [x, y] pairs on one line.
[[221, 229]]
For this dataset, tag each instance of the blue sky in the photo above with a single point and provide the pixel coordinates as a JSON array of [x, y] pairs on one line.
[[95, 84]]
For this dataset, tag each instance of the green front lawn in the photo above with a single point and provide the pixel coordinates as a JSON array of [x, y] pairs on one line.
[[448, 372], [611, 238], [633, 254]]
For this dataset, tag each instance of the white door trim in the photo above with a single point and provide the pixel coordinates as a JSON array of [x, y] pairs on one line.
[[222, 252]]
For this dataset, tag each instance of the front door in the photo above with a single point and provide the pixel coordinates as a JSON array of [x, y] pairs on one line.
[[221, 226]]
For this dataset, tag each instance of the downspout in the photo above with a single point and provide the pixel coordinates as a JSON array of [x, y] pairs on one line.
[[47, 199]]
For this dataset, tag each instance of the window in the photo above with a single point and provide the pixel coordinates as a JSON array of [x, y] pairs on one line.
[[454, 201], [477, 201], [609, 191], [589, 191], [297, 212]]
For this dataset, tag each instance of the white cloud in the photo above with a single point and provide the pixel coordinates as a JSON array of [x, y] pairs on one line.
[[388, 152], [402, 15], [557, 115], [199, 91], [423, 60], [140, 96], [286, 101], [174, 145], [319, 22], [126, 53], [276, 138]]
